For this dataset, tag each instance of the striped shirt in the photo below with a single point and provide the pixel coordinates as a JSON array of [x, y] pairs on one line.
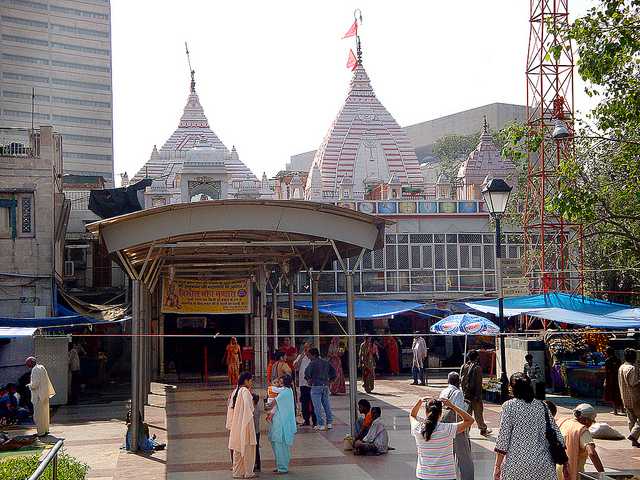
[[435, 457]]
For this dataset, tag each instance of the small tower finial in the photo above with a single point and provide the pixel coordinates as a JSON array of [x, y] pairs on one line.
[[485, 125], [191, 70], [357, 15]]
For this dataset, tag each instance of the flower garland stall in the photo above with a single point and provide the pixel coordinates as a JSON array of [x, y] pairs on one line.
[[578, 361]]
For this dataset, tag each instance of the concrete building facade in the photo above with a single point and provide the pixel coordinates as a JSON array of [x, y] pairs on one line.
[[56, 55], [33, 219]]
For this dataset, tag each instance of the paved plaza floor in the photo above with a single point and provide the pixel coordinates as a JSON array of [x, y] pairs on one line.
[[191, 419]]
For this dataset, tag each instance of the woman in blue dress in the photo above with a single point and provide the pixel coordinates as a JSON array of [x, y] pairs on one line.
[[283, 426]]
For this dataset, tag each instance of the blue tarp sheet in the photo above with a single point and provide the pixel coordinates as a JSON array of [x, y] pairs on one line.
[[562, 315], [530, 303], [565, 308], [66, 318], [363, 308]]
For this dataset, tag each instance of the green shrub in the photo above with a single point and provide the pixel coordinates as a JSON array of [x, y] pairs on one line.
[[20, 468]]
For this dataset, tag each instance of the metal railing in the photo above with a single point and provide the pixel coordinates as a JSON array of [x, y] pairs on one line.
[[51, 458], [19, 142]]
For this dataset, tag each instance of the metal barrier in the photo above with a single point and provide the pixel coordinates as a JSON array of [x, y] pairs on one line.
[[51, 458]]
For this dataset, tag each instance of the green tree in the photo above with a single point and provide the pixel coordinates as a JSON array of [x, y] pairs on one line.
[[599, 185], [451, 151]]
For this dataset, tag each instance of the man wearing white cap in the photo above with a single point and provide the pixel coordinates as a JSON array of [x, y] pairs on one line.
[[579, 441], [41, 392]]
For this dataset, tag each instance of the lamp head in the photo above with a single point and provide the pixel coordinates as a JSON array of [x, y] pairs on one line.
[[560, 131], [496, 194]]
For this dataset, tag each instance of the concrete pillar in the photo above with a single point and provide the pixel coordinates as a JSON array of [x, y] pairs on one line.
[[292, 312], [274, 315], [264, 330], [315, 286], [353, 354], [161, 345], [135, 357]]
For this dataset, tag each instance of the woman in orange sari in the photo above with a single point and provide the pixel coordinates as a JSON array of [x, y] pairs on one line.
[[232, 359], [393, 354]]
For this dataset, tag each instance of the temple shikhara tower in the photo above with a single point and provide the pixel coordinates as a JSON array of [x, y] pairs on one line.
[[364, 150], [485, 161], [194, 164]]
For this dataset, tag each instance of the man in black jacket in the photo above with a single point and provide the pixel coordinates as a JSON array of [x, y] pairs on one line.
[[471, 381], [319, 374]]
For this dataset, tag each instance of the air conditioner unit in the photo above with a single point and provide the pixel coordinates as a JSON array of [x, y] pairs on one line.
[[69, 268]]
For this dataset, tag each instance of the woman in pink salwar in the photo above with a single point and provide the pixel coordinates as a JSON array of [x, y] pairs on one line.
[[242, 432], [337, 387]]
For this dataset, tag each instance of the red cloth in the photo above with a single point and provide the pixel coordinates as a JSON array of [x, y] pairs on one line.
[[352, 61], [353, 30], [290, 354], [393, 354]]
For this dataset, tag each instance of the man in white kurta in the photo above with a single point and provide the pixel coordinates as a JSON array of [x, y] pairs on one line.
[[41, 391]]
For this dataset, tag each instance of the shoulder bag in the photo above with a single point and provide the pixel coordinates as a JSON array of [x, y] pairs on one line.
[[557, 450]]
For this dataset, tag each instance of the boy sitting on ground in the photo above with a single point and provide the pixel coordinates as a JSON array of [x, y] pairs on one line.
[[376, 441], [364, 421]]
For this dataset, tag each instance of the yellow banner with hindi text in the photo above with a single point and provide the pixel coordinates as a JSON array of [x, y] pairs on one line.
[[213, 296]]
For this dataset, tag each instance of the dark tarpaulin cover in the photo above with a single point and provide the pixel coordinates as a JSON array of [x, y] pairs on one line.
[[112, 202]]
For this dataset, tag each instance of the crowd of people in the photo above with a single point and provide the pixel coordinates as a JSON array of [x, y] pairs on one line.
[[315, 379], [529, 444]]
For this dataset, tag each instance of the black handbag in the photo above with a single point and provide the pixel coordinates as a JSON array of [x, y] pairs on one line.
[[556, 448]]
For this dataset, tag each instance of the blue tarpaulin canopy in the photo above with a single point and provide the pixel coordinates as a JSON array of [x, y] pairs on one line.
[[562, 315], [565, 308], [362, 308], [66, 318]]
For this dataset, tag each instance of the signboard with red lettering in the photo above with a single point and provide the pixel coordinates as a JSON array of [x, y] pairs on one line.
[[193, 295]]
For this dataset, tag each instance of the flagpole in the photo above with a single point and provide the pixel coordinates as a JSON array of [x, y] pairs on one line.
[[357, 15]]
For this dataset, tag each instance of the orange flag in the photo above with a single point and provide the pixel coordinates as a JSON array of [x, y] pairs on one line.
[[352, 61], [353, 30]]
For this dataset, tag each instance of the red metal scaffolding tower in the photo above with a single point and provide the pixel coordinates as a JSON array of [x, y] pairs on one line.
[[553, 247]]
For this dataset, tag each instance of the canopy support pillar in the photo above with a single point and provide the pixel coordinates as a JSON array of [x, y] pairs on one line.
[[292, 311], [274, 314], [351, 338], [315, 286], [135, 372]]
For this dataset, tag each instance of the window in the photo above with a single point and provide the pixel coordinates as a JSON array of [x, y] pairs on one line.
[[78, 13], [27, 4], [7, 216], [87, 138], [26, 213], [38, 99], [23, 59], [20, 114], [5, 221], [85, 120], [77, 84], [80, 66], [31, 41], [56, 27], [88, 156], [79, 102], [79, 48], [24, 78], [25, 22]]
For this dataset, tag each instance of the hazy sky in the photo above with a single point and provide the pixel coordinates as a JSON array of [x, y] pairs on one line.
[[271, 75]]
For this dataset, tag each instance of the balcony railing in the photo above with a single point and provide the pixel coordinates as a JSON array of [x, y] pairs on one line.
[[19, 142]]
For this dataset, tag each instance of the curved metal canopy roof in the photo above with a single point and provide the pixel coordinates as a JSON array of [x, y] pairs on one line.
[[234, 237]]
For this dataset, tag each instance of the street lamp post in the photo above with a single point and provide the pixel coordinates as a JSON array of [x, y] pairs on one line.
[[496, 194]]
